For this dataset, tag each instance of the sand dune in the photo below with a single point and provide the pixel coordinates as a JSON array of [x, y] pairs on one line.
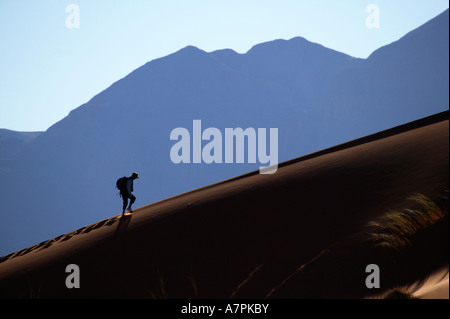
[[435, 288], [299, 233]]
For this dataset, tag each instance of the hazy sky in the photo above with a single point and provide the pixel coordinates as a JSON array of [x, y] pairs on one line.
[[50, 65]]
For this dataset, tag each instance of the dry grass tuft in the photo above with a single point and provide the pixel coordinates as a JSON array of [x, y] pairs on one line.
[[396, 229]]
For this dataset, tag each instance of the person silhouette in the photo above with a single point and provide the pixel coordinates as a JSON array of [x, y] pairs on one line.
[[126, 193]]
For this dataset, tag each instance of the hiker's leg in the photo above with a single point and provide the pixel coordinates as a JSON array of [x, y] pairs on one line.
[[132, 199], [125, 202]]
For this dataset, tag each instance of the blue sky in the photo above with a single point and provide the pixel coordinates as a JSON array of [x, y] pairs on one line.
[[48, 69]]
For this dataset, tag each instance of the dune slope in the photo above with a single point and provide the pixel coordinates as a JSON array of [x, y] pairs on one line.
[[245, 236]]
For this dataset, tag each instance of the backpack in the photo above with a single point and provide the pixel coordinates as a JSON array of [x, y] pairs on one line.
[[121, 183]]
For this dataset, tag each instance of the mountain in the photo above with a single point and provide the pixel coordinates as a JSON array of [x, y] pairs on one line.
[[316, 97], [11, 142], [398, 83]]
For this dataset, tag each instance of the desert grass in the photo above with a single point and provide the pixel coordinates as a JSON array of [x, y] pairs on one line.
[[398, 293], [396, 229], [298, 270], [162, 291], [245, 281]]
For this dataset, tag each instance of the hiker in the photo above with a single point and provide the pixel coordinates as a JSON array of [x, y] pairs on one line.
[[125, 185]]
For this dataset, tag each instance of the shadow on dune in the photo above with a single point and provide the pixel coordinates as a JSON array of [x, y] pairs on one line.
[[124, 221]]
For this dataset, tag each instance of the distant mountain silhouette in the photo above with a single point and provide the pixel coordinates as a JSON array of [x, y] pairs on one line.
[[315, 96], [11, 142], [398, 83]]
